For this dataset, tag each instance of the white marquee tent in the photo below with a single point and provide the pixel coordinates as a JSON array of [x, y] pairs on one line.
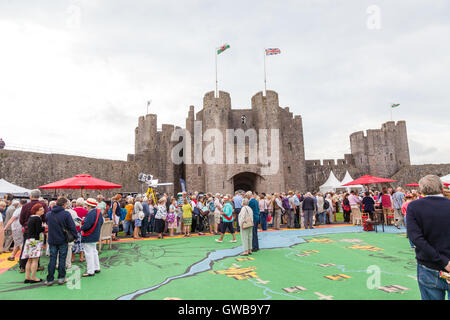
[[331, 184], [446, 178], [7, 187], [348, 178]]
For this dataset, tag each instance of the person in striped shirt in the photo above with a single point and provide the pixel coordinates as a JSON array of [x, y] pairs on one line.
[[227, 218]]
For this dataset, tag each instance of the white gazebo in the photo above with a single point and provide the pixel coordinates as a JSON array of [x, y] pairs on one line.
[[348, 178], [331, 184], [7, 187]]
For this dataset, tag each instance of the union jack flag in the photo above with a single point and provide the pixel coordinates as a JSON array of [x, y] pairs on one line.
[[272, 51]]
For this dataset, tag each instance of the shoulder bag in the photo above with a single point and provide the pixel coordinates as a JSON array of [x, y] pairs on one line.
[[247, 223], [68, 237]]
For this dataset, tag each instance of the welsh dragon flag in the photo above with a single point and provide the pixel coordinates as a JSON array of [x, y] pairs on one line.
[[395, 105], [223, 48]]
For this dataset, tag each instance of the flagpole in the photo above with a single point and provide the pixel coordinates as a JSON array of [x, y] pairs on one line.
[[215, 53], [391, 112], [265, 79]]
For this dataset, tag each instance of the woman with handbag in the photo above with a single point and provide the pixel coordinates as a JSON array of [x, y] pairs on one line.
[[346, 208], [245, 220], [33, 245], [81, 213]]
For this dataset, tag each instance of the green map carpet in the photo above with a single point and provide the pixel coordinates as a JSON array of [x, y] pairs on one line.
[[322, 264]]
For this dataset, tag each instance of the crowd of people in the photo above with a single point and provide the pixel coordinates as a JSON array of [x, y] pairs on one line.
[[70, 228]]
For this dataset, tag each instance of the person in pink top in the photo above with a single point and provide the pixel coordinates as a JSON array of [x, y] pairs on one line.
[[78, 246], [386, 203], [409, 198], [355, 203]]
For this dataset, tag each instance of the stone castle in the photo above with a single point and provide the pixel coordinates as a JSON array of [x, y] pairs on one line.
[[382, 152]]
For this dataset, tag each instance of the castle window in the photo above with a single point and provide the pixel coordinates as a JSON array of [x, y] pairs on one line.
[[392, 157], [289, 169], [246, 160], [199, 171], [290, 146]]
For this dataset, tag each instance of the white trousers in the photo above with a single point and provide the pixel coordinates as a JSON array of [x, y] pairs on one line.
[[91, 254]]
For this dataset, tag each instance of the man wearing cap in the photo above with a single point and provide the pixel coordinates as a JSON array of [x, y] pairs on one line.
[[90, 236]]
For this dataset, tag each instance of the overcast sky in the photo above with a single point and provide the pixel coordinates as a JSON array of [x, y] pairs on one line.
[[76, 75]]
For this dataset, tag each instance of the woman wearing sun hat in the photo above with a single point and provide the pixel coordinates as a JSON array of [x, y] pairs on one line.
[[90, 236]]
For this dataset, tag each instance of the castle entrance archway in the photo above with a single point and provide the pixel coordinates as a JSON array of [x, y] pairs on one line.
[[246, 181]]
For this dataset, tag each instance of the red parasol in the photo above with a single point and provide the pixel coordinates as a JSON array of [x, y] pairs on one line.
[[412, 185], [367, 179], [446, 184], [81, 181]]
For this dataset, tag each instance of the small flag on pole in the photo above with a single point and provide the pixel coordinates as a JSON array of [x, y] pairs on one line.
[[272, 51], [223, 48], [395, 105]]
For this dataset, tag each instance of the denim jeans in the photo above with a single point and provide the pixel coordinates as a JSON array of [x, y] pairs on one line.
[[255, 243], [55, 251], [431, 286], [144, 226], [128, 227], [263, 220], [237, 211], [151, 225], [322, 217]]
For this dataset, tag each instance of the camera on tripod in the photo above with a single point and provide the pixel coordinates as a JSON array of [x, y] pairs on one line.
[[148, 179]]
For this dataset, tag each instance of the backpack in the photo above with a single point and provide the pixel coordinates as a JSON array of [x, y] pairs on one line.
[[118, 211], [285, 203], [326, 204], [211, 206]]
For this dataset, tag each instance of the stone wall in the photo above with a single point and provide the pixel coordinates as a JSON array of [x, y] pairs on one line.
[[413, 173], [31, 170], [317, 173]]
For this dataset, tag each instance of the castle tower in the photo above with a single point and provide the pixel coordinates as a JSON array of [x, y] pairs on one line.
[[382, 152], [215, 116]]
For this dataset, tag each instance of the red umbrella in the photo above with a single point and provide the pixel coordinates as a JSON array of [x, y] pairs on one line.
[[367, 179], [81, 181], [447, 184], [412, 185]]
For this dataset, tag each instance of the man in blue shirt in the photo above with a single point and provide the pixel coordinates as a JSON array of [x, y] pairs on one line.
[[145, 222], [254, 205], [398, 199], [237, 200], [428, 228]]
